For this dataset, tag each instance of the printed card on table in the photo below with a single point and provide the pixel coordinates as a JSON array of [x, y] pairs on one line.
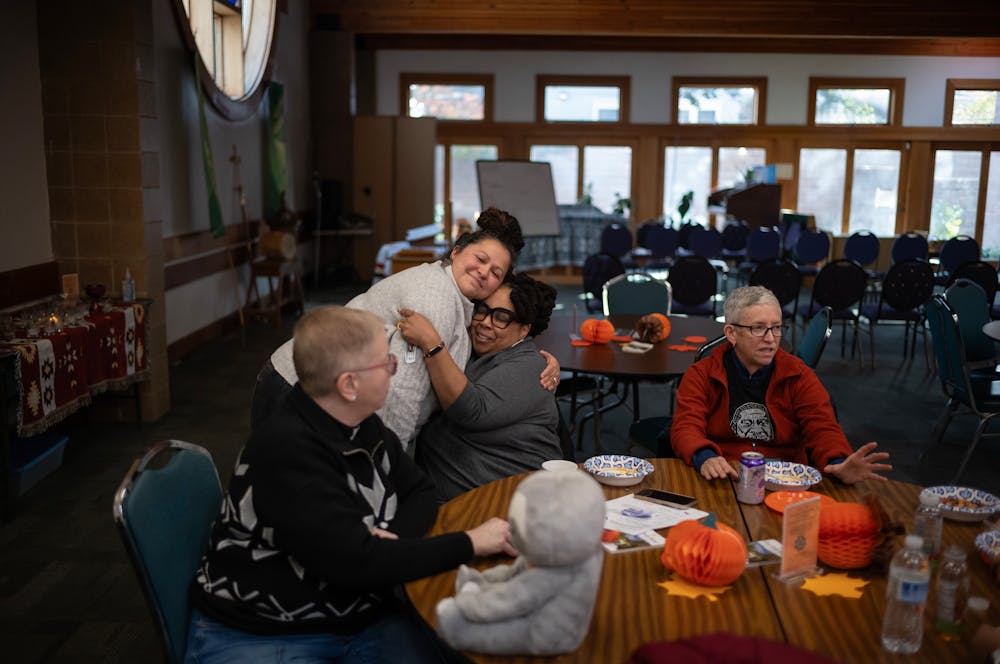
[[799, 538]]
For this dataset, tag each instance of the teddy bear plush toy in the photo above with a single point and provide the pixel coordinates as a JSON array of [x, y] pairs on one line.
[[542, 603]]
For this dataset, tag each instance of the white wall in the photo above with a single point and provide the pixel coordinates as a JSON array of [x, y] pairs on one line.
[[787, 88], [182, 180], [24, 219]]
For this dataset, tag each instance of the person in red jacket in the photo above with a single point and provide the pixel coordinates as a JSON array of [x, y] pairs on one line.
[[751, 395]]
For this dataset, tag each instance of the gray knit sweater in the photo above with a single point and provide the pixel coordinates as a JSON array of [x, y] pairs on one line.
[[503, 423], [429, 289]]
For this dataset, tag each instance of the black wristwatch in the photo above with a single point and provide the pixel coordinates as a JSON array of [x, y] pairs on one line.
[[434, 351]]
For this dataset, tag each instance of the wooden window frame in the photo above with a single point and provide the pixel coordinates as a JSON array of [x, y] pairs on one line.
[[759, 83], [896, 87], [953, 85], [406, 79], [623, 83]]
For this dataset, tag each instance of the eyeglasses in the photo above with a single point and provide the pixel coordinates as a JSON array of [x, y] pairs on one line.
[[390, 366], [500, 317], [777, 331]]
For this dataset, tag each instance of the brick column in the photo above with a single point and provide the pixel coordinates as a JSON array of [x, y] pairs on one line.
[[102, 160]]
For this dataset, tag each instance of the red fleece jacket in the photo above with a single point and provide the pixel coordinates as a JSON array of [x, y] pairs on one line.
[[805, 428]]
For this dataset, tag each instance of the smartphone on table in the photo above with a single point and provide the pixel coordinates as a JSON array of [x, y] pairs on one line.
[[667, 498]]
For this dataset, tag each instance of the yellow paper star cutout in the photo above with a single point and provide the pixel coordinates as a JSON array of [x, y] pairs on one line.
[[678, 586], [835, 584]]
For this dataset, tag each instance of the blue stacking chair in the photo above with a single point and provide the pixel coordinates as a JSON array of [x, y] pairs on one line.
[[841, 286], [959, 249], [980, 272], [616, 240], [862, 248], [165, 515], [661, 243], [636, 294], [734, 241], [961, 386], [597, 271], [693, 285], [905, 289], [813, 247], [782, 278], [909, 245], [763, 244]]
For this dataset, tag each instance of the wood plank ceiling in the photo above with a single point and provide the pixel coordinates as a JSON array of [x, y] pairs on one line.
[[907, 27]]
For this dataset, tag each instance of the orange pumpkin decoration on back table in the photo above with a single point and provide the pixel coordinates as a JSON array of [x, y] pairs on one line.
[[709, 553], [597, 330], [652, 328]]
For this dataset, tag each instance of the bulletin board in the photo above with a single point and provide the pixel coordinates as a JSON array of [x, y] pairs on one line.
[[522, 188]]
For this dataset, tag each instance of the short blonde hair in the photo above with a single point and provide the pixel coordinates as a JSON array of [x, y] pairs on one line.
[[330, 341]]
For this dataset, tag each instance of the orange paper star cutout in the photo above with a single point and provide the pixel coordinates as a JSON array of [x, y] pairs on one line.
[[678, 586], [835, 584]]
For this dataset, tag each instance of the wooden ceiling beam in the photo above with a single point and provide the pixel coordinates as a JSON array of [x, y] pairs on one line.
[[859, 46], [836, 19]]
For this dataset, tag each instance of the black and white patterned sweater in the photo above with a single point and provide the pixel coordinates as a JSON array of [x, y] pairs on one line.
[[292, 550]]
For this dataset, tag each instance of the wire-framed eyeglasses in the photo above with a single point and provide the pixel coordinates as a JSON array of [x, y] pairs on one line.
[[777, 331], [500, 317], [389, 365]]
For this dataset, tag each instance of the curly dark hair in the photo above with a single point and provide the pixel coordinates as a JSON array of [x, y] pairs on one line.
[[533, 301], [498, 225]]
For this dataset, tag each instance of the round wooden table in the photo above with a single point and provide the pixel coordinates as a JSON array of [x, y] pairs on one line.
[[631, 609]]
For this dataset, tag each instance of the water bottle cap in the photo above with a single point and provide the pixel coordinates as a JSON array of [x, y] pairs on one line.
[[913, 542], [978, 604], [954, 552], [928, 499]]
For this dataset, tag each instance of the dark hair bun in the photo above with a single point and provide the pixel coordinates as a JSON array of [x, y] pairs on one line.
[[503, 226], [533, 301]]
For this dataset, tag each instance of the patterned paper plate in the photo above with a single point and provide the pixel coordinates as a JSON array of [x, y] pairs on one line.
[[618, 469], [988, 543], [960, 503], [789, 476]]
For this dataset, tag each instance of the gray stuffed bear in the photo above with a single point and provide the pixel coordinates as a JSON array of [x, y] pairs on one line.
[[542, 603]]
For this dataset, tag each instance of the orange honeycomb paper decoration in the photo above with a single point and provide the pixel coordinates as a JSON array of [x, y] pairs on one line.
[[709, 554], [597, 331], [848, 534]]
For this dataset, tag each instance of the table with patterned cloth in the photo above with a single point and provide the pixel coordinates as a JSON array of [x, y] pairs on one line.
[[58, 372], [580, 228]]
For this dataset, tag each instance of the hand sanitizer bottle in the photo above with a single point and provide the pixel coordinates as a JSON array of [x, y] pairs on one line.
[[128, 287]]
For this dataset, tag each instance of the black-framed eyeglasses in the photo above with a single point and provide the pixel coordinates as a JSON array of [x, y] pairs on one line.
[[389, 365], [500, 317], [777, 331]]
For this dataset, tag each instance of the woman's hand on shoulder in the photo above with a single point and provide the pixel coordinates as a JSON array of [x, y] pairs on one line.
[[416, 330], [550, 374]]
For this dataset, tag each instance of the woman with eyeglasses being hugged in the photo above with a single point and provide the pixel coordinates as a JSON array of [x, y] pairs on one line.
[[496, 419], [751, 396], [444, 292]]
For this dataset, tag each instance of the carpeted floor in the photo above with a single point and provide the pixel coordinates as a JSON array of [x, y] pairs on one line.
[[68, 593]]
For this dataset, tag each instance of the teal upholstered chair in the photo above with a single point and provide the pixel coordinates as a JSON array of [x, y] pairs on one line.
[[814, 339], [962, 386], [164, 509]]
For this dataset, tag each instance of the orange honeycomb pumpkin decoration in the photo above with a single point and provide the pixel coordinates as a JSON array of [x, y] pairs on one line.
[[848, 535], [597, 331], [709, 553]]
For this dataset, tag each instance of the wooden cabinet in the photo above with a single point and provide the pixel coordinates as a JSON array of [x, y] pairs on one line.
[[393, 179]]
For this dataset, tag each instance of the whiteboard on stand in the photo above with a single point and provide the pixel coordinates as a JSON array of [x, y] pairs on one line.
[[522, 188]]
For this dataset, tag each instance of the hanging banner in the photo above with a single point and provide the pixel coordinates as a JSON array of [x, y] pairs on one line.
[[214, 209], [276, 178]]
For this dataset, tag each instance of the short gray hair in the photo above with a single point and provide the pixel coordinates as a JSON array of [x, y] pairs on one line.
[[327, 341], [746, 296]]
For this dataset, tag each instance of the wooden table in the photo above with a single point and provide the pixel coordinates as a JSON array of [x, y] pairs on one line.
[[631, 609], [659, 363]]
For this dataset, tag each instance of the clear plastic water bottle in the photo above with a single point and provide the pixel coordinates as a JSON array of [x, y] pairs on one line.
[[927, 524], [951, 590], [975, 615], [906, 596]]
